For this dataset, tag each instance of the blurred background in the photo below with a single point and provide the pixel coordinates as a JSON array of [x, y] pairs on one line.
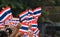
[[49, 22]]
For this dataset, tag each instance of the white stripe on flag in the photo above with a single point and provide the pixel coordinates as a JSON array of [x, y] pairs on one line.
[[23, 30], [4, 11], [6, 17]]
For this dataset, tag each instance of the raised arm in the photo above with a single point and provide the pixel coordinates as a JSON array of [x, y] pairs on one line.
[[16, 30]]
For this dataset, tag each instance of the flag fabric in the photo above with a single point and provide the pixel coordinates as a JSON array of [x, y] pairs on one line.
[[37, 12], [2, 26], [25, 35], [30, 17], [7, 22], [23, 15], [2, 23], [24, 27], [5, 14], [14, 21], [33, 14], [34, 24], [31, 20], [36, 31]]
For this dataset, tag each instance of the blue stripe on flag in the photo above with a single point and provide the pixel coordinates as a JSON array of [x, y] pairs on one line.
[[15, 20], [34, 25], [23, 15], [24, 28], [37, 12], [28, 19], [36, 31], [6, 13], [29, 12]]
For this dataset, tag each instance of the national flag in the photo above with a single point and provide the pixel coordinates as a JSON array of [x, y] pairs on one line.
[[23, 15], [34, 24], [24, 27], [37, 11], [5, 14], [36, 31], [7, 22], [1, 25], [29, 16], [14, 21]]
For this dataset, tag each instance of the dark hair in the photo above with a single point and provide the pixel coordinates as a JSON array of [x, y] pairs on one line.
[[9, 30], [3, 34]]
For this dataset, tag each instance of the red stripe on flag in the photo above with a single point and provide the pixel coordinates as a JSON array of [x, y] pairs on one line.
[[23, 12], [7, 18], [4, 9], [37, 8]]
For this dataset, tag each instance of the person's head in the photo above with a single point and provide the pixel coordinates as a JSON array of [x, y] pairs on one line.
[[3, 34], [9, 31]]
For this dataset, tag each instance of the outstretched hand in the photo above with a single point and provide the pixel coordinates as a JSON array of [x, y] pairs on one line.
[[18, 26]]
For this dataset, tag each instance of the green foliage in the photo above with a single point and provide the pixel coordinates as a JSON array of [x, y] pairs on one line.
[[20, 5]]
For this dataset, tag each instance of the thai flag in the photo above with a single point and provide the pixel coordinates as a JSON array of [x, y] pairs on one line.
[[37, 12], [31, 20], [29, 16], [34, 24], [24, 27], [36, 31], [7, 22], [5, 14], [2, 26], [14, 21], [2, 23], [26, 16], [33, 14], [23, 15]]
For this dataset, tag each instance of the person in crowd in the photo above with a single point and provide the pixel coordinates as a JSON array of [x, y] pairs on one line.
[[15, 30], [19, 34], [8, 30], [3, 33]]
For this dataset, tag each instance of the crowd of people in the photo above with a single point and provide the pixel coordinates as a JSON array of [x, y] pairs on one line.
[[13, 32]]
